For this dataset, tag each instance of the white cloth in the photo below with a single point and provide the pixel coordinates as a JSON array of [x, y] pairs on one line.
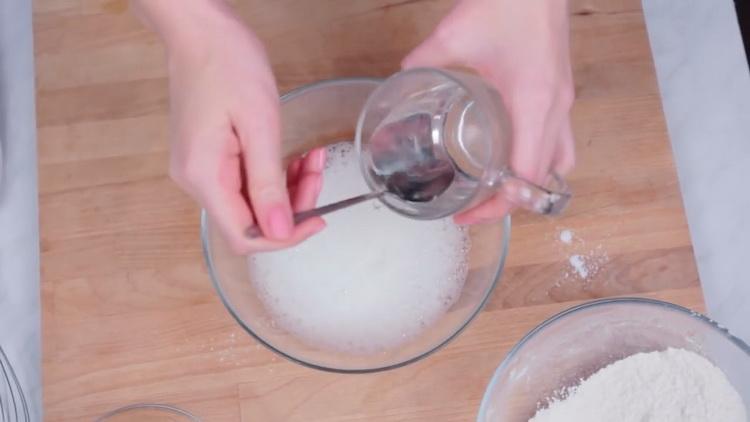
[[19, 229]]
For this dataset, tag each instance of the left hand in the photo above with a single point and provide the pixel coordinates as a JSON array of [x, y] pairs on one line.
[[521, 49], [226, 129]]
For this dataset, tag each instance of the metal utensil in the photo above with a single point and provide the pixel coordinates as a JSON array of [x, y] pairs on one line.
[[419, 184], [13, 405], [299, 217]]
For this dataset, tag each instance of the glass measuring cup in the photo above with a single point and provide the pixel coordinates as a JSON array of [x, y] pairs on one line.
[[429, 118]]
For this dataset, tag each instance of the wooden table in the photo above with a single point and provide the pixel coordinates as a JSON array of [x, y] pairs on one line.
[[129, 314]]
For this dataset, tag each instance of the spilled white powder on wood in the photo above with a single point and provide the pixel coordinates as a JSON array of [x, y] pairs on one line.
[[566, 237], [674, 385], [583, 262], [579, 265]]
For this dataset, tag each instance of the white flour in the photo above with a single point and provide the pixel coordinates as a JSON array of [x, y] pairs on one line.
[[674, 385], [371, 280]]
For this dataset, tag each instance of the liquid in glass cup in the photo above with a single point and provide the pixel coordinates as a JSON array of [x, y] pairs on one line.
[[427, 118]]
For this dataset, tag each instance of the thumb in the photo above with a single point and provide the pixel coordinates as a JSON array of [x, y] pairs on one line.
[[432, 52], [259, 131]]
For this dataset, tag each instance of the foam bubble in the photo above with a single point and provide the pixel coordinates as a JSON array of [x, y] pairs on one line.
[[369, 282]]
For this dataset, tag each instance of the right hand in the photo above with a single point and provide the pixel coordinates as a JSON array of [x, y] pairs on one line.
[[225, 129], [521, 49]]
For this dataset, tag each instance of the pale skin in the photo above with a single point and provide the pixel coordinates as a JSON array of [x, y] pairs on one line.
[[224, 108]]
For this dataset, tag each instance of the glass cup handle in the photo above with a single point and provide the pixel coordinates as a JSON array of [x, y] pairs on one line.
[[551, 198]]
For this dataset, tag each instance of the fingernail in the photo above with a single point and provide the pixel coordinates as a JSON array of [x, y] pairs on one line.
[[321, 159], [280, 223]]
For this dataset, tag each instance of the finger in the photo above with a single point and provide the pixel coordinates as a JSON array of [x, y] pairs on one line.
[[306, 195], [448, 45], [292, 175], [565, 155], [310, 181], [302, 232], [534, 138], [225, 207], [493, 209], [293, 170], [435, 51], [259, 132], [314, 161], [225, 203], [425, 55]]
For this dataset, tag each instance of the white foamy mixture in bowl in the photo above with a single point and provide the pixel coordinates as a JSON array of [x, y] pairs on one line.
[[371, 280]]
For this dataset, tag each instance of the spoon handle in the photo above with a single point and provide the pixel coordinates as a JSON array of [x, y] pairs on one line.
[[254, 231]]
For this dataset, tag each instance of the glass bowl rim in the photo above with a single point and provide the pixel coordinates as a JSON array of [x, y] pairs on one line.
[[300, 90], [213, 274], [159, 407], [595, 304]]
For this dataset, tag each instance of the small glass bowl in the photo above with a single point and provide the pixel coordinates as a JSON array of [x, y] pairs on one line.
[[148, 412], [317, 115], [576, 343]]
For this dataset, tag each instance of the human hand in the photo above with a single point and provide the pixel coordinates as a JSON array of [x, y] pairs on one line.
[[225, 128], [521, 49]]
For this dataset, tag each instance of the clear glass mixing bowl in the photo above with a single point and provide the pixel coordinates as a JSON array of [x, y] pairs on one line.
[[579, 341], [321, 114]]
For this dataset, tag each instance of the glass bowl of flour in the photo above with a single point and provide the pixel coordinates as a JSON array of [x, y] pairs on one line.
[[623, 359], [375, 290]]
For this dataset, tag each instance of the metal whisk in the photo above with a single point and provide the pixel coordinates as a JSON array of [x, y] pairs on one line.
[[13, 406]]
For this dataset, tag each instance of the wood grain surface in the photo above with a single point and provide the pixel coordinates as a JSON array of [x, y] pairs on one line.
[[129, 314]]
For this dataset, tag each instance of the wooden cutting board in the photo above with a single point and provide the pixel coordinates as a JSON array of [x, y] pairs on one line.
[[129, 314]]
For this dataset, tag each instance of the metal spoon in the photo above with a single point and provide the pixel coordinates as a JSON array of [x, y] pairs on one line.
[[419, 184]]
